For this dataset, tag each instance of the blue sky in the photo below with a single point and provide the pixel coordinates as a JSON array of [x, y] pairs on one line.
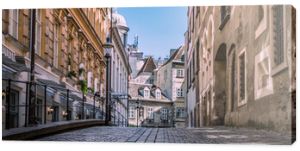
[[159, 28]]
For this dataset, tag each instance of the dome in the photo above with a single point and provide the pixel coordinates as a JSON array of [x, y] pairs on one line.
[[119, 20]]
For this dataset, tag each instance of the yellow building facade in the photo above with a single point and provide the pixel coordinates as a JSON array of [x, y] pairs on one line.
[[68, 53]]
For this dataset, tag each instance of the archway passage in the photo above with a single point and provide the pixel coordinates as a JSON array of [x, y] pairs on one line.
[[220, 63]]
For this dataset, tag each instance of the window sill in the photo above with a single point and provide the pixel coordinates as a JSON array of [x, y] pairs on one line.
[[242, 103], [279, 68], [17, 43]]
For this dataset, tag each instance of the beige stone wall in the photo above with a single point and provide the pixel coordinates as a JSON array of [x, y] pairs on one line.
[[229, 35]]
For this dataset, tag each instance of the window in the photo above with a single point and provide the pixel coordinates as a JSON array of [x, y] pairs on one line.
[[225, 15], [278, 34], [233, 81], [242, 78], [188, 79], [263, 80], [180, 113], [38, 32], [90, 78], [179, 73], [179, 92], [151, 81], [225, 11], [39, 110], [164, 114], [182, 58], [96, 85], [165, 75], [158, 94], [262, 21], [13, 122], [56, 45], [197, 55], [146, 93], [131, 112], [150, 113], [13, 23]]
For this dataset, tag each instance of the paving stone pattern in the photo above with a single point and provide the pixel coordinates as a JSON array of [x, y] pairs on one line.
[[209, 135]]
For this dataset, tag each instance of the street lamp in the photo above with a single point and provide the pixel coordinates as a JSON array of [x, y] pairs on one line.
[[108, 48]]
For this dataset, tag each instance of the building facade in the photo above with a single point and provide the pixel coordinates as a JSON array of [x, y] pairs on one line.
[[148, 105], [170, 77], [246, 65], [120, 70], [69, 64], [192, 71]]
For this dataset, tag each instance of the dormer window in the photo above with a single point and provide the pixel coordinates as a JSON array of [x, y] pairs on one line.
[[146, 93], [158, 94]]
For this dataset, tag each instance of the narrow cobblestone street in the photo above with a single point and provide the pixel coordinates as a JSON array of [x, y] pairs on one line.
[[214, 135]]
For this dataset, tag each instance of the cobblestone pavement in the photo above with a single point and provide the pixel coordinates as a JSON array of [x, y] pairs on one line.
[[209, 135]]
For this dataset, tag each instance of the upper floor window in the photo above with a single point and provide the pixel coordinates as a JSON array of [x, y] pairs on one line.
[[179, 73], [278, 34], [38, 31], [13, 22], [180, 113], [179, 92], [150, 112], [165, 75], [225, 15], [158, 94], [146, 93], [263, 84], [56, 45], [131, 112], [242, 78], [164, 114], [90, 79]]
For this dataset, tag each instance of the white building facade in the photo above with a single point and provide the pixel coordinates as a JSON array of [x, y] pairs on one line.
[[120, 70], [170, 78]]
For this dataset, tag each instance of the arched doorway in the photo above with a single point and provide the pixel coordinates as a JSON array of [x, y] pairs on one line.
[[220, 63]]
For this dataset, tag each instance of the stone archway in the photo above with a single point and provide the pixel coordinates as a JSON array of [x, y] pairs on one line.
[[220, 63]]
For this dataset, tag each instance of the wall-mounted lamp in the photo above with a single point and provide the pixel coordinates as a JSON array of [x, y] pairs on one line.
[[64, 113], [50, 110]]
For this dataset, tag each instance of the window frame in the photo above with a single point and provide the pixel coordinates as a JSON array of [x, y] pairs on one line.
[[282, 66], [179, 73], [38, 35], [56, 34], [180, 92], [150, 114], [131, 112], [224, 19], [146, 91], [244, 101], [13, 22], [156, 94], [267, 90], [164, 114]]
